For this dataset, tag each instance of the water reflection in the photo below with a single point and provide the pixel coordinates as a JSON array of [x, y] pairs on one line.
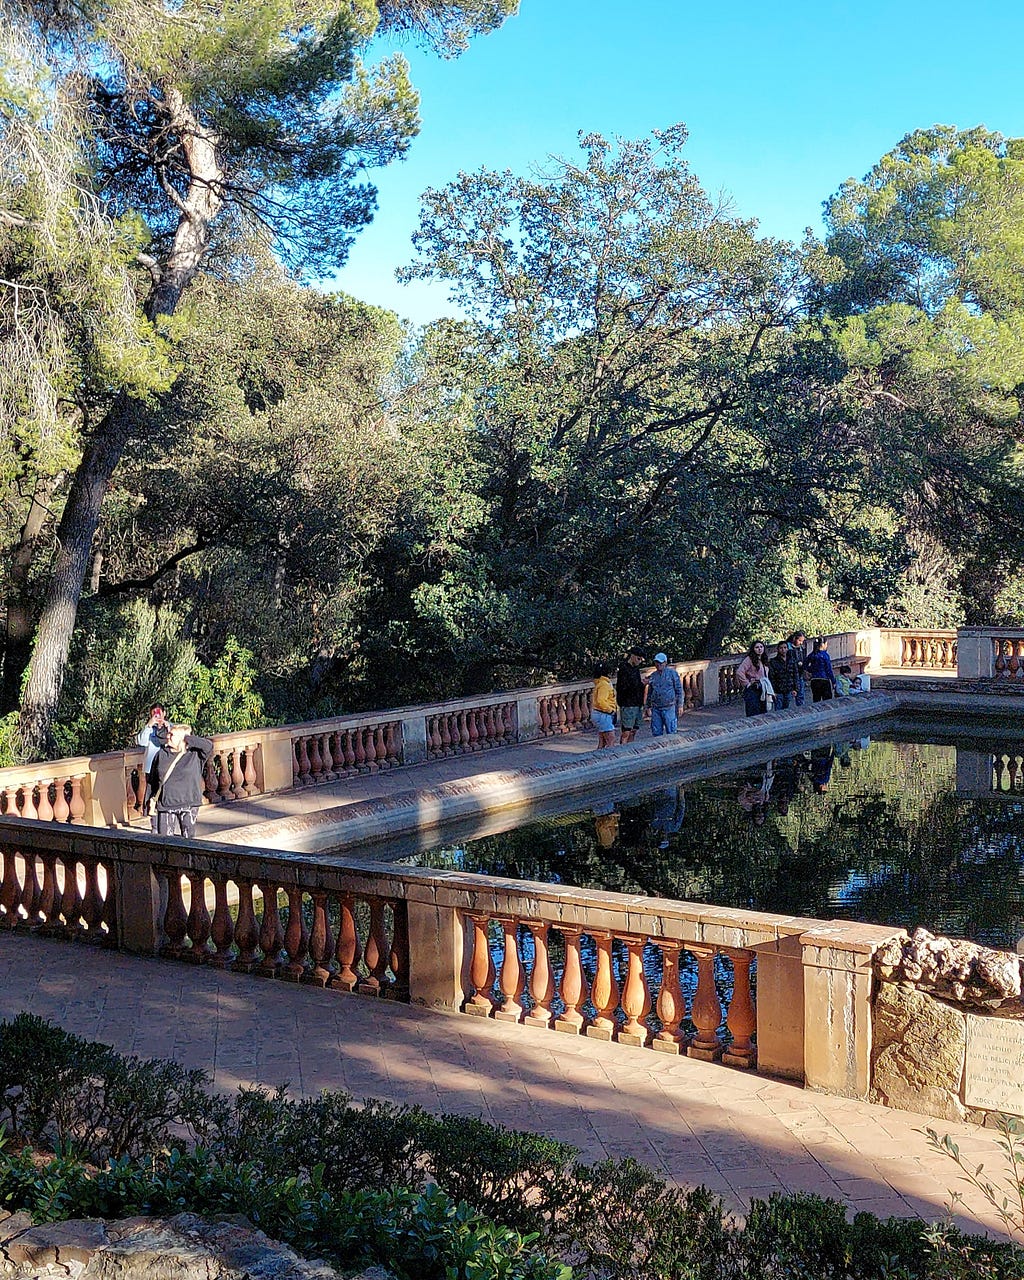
[[867, 830]]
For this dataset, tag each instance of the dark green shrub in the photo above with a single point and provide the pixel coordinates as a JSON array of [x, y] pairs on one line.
[[73, 1094]]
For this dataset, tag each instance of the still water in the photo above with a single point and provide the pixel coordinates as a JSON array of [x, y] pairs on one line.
[[923, 826]]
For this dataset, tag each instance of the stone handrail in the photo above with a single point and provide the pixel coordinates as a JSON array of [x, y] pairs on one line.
[[918, 649], [542, 955], [991, 653], [108, 790]]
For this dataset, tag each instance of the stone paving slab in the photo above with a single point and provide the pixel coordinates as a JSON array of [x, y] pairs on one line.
[[741, 1134]]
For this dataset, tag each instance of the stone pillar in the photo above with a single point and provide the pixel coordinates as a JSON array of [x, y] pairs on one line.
[[107, 795], [138, 908], [435, 951], [890, 648], [276, 750], [973, 653], [837, 1006], [974, 773], [414, 739], [873, 635], [709, 684], [527, 716], [780, 1008]]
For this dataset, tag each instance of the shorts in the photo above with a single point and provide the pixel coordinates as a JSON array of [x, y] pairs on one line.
[[603, 721], [631, 718]]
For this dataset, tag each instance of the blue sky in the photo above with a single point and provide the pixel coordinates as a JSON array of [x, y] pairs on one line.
[[782, 102]]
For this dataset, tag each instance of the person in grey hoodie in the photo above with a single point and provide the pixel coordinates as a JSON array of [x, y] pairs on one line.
[[178, 772], [664, 696]]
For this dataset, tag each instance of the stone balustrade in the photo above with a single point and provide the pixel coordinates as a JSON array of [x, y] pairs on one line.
[[645, 972], [918, 650], [109, 789]]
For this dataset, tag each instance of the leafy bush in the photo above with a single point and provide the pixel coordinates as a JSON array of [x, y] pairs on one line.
[[429, 1196]]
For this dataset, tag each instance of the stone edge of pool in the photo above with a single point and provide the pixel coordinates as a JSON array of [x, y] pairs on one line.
[[367, 821]]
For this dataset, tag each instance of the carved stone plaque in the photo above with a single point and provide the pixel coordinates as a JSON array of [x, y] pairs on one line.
[[994, 1075]]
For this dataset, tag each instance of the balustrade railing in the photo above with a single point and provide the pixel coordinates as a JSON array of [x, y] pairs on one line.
[[49, 796], [57, 894], [330, 938], [343, 753], [1008, 772], [639, 990], [455, 733], [1008, 657], [563, 712], [928, 650]]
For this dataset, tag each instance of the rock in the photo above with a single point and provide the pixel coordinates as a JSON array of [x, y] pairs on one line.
[[73, 1241], [13, 1224], [918, 1050], [954, 969]]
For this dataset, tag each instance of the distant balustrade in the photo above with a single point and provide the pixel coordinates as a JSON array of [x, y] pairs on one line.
[[110, 789]]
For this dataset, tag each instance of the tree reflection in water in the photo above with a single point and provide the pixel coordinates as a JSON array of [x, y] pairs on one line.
[[868, 831]]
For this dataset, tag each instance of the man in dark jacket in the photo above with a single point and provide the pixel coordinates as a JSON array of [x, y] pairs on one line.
[[178, 771], [783, 673], [798, 648], [629, 693]]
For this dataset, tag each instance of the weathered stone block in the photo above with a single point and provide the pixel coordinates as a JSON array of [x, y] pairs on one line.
[[918, 1052]]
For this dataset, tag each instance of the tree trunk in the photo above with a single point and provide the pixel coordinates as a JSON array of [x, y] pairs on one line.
[[74, 544], [102, 454], [715, 630], [20, 605]]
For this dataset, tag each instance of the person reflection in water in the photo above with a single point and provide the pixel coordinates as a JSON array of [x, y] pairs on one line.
[[753, 797], [606, 825], [667, 814], [822, 759]]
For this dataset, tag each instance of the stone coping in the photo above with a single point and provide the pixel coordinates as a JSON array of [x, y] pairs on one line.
[[362, 822]]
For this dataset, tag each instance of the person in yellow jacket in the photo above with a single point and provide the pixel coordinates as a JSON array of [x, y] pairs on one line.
[[603, 706]]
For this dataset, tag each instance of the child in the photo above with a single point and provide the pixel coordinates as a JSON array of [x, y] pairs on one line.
[[603, 706], [844, 683]]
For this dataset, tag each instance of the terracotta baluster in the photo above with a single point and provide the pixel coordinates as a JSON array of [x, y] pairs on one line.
[[210, 775], [11, 801], [378, 949], [10, 891], [1020, 657], [636, 998], [61, 808], [296, 766], [28, 800], [399, 958], [380, 749], [31, 894], [512, 979], [250, 778], [237, 790], [175, 921], [444, 733], [49, 901], [77, 802], [472, 730], [392, 740], [604, 994], [463, 733], [296, 938], [45, 804], [92, 903], [108, 914], [198, 919], [321, 941], [348, 953], [135, 788], [544, 716], [222, 929], [271, 933], [221, 755], [349, 752], [741, 1019], [707, 1009], [433, 738], [247, 935], [71, 898], [360, 751], [510, 721], [481, 969], [316, 763], [305, 776], [562, 714], [327, 758], [574, 987], [671, 1006], [542, 982]]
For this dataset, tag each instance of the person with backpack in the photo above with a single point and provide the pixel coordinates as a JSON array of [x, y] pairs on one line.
[[819, 669]]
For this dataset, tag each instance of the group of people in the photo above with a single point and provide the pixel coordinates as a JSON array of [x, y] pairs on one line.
[[767, 684], [770, 683], [174, 766], [633, 695]]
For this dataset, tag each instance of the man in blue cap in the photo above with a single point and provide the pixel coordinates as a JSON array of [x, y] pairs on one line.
[[664, 696]]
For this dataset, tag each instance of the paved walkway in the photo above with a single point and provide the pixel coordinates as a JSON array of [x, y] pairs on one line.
[[740, 1134]]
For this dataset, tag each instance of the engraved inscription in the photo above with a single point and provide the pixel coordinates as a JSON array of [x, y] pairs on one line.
[[994, 1075]]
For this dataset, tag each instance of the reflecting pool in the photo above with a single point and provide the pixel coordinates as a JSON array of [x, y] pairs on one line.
[[923, 825]]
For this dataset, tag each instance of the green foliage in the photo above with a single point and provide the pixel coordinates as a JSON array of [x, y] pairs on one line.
[[385, 1184], [10, 740], [223, 698], [1005, 1191]]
